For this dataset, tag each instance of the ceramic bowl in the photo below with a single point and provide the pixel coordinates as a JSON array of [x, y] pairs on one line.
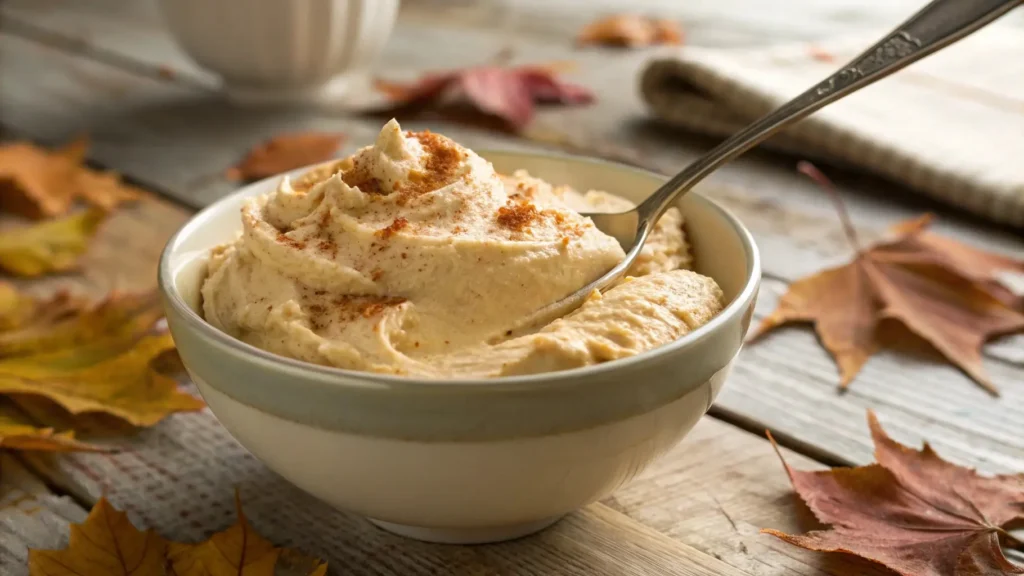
[[466, 461], [282, 51]]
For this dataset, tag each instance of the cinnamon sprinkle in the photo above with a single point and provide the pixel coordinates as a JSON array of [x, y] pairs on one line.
[[516, 216], [349, 308], [390, 229], [372, 309], [358, 176], [289, 241], [443, 157]]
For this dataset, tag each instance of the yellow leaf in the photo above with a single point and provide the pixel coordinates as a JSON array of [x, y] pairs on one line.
[[100, 362], [19, 432], [18, 310], [55, 327], [237, 551], [106, 544], [117, 380], [50, 246], [295, 563]]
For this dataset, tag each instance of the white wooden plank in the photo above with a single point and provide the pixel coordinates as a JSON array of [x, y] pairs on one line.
[[30, 516]]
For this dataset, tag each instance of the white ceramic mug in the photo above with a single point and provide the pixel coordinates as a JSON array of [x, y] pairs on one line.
[[281, 51]]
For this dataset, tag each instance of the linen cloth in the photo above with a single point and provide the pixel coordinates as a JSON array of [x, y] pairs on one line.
[[950, 126]]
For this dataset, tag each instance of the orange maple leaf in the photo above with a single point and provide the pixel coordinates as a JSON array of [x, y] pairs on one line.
[[38, 183], [630, 31], [286, 152], [106, 544], [238, 551], [940, 290]]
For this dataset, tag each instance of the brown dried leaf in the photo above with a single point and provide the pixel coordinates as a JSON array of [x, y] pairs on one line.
[[630, 31], [940, 290], [239, 551], [508, 94], [97, 361], [985, 268], [38, 183], [912, 512], [286, 152], [52, 246], [106, 544]]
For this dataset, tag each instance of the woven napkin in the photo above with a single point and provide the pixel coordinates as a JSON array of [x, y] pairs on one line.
[[950, 127]]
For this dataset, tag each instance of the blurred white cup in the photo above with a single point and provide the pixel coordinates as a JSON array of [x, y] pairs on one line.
[[282, 51]]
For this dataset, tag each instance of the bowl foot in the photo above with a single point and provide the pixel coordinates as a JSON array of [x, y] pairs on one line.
[[466, 535], [271, 95]]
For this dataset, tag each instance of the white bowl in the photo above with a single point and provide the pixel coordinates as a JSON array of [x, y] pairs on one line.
[[280, 51], [466, 461]]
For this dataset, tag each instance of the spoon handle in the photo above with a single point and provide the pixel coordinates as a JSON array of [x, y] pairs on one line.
[[935, 26]]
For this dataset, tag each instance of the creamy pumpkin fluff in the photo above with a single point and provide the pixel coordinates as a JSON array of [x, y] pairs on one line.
[[410, 256]]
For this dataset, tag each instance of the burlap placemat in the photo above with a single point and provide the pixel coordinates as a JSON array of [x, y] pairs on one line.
[[950, 126]]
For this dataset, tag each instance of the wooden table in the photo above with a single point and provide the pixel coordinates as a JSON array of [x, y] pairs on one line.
[[108, 68]]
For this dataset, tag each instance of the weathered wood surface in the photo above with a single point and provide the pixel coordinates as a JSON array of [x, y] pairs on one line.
[[30, 515], [95, 66], [696, 512], [179, 137]]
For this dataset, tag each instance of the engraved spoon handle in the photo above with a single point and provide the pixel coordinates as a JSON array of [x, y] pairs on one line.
[[937, 25]]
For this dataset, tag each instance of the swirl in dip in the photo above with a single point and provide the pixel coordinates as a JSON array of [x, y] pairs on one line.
[[409, 256]]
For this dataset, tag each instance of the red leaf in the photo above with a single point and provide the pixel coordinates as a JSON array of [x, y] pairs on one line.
[[912, 512], [509, 94]]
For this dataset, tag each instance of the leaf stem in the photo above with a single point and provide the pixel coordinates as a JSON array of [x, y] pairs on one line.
[[811, 171]]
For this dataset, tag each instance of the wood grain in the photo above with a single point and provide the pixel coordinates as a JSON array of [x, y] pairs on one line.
[[185, 147], [30, 516], [102, 66], [696, 511]]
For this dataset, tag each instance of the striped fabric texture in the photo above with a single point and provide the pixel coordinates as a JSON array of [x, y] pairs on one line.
[[950, 127]]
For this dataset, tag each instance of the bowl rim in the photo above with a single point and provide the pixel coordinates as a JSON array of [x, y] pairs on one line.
[[371, 380]]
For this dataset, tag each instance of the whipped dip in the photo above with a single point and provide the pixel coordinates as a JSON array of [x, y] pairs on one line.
[[411, 255]]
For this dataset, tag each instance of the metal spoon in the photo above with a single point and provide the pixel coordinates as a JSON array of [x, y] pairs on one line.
[[936, 26]]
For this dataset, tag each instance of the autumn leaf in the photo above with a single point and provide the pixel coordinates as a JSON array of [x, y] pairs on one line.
[[19, 432], [912, 512], [64, 322], [106, 544], [97, 361], [286, 152], [38, 183], [18, 310], [105, 190], [51, 246], [941, 291], [982, 267], [506, 93], [630, 31], [239, 551]]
